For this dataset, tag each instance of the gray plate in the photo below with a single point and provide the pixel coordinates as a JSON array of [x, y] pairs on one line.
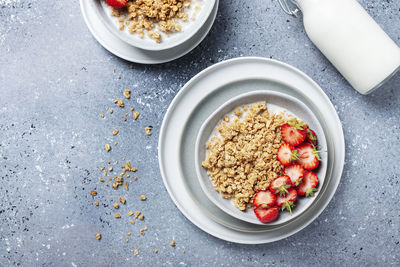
[[201, 96]]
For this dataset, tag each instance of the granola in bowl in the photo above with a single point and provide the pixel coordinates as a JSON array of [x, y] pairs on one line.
[[242, 154], [154, 19]]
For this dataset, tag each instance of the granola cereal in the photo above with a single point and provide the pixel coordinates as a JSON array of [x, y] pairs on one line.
[[241, 155], [151, 17], [98, 236]]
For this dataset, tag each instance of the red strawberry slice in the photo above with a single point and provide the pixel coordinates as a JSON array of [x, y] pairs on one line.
[[311, 137], [280, 185], [295, 172], [264, 199], [293, 133], [287, 201], [308, 156], [287, 154], [266, 215], [308, 184], [116, 3]]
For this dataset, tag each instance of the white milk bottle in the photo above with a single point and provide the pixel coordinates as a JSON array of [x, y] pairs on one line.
[[352, 41]]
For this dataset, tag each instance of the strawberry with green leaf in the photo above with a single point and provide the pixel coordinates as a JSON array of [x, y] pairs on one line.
[[311, 137], [295, 172], [308, 156], [308, 185], [286, 202], [287, 154], [294, 132], [280, 185]]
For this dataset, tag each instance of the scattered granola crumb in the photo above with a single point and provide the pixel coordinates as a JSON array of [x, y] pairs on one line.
[[136, 252], [115, 132], [129, 233], [96, 203], [114, 70], [148, 130], [110, 169], [122, 200], [111, 111], [141, 217], [143, 197], [183, 251], [126, 184], [111, 199], [155, 250], [132, 222], [101, 180], [126, 239], [98, 236], [135, 115], [125, 118], [93, 193], [117, 215], [120, 103], [172, 243], [107, 147], [132, 109], [135, 178], [130, 213], [137, 214], [116, 143], [127, 93], [119, 76], [102, 115], [116, 205]]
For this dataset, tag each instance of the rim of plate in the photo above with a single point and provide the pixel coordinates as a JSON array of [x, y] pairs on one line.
[[198, 165], [146, 44], [178, 97], [130, 53]]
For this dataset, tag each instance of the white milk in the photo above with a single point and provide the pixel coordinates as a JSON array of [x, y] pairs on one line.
[[354, 43]]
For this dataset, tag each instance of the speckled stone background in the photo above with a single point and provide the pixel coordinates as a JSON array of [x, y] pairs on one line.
[[55, 80]]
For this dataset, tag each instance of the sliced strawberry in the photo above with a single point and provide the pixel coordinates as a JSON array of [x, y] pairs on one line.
[[266, 215], [287, 154], [280, 185], [295, 172], [287, 201], [293, 133], [311, 137], [290, 196], [308, 184], [308, 156], [116, 3], [264, 199]]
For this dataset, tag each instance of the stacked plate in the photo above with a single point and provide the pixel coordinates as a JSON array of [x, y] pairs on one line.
[[104, 27], [194, 112]]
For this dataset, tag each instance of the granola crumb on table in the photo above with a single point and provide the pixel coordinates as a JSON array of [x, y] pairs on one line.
[[241, 160], [98, 236]]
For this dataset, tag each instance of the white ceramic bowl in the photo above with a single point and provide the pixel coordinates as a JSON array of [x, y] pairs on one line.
[[189, 28], [276, 102]]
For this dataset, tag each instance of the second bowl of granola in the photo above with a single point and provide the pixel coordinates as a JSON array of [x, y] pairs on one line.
[[155, 25], [244, 135]]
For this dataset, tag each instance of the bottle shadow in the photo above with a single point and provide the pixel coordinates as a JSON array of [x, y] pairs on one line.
[[387, 96]]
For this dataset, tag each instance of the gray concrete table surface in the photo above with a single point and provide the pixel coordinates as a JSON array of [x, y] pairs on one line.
[[55, 80]]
